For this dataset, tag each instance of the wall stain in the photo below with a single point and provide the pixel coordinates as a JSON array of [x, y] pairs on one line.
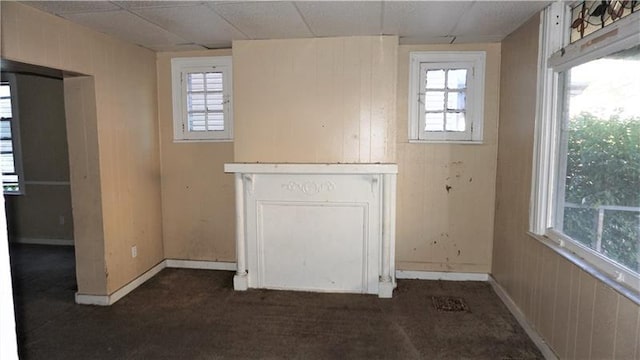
[[448, 188]]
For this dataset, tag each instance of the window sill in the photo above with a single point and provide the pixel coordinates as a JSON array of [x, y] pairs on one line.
[[589, 268], [202, 140], [452, 142]]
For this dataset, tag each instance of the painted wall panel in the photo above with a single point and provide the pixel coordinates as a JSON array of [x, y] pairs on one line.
[[446, 192], [315, 100], [117, 182], [582, 318], [198, 203]]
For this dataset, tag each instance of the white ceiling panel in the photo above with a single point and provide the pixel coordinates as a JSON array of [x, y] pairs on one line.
[[497, 18], [264, 20], [422, 19], [68, 7], [152, 4], [426, 40], [184, 47], [197, 24], [127, 26], [173, 25], [342, 18]]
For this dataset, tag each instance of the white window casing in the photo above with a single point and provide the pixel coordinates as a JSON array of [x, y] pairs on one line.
[[216, 103], [553, 60], [472, 95]]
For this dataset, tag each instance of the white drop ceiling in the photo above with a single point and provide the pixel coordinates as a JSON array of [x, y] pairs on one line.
[[190, 25]]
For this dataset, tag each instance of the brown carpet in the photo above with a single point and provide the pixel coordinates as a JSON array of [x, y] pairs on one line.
[[195, 314]]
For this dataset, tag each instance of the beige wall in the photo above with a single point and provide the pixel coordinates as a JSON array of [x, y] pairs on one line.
[[580, 317], [315, 100], [114, 152], [37, 214], [440, 230], [198, 204]]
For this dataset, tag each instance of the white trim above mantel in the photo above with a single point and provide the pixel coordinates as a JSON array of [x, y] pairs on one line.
[[315, 227], [291, 168]]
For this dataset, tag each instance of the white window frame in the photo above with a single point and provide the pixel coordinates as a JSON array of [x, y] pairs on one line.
[[555, 58], [15, 135], [180, 67], [474, 61]]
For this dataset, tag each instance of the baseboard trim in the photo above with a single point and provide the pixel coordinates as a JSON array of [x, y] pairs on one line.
[[43, 241], [542, 345], [199, 264], [106, 300], [436, 275]]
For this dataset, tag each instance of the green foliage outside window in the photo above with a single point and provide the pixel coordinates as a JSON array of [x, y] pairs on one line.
[[603, 169]]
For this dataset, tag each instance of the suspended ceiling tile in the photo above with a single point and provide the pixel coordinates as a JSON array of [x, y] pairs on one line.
[[179, 47], [197, 24], [264, 20], [152, 4], [426, 40], [416, 19], [127, 26], [335, 18], [68, 7], [497, 18], [470, 39]]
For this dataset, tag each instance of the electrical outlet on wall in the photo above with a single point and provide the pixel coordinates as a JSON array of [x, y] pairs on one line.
[[134, 251]]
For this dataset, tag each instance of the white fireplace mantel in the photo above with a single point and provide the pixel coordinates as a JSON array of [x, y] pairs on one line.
[[315, 227]]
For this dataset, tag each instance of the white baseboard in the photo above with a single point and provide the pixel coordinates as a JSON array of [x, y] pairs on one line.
[[436, 275], [198, 264], [106, 300], [43, 241], [542, 345]]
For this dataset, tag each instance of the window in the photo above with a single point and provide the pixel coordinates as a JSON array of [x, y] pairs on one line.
[[202, 105], [446, 96], [10, 161], [587, 176]]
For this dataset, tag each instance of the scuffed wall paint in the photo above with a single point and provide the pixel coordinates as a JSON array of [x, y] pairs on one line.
[[446, 192]]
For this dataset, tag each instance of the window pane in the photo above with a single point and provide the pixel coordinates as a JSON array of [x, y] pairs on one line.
[[5, 108], [195, 102], [435, 79], [215, 121], [214, 81], [214, 101], [457, 79], [6, 146], [197, 122], [434, 101], [5, 129], [455, 122], [195, 82], [434, 122], [456, 100], [6, 161], [601, 206]]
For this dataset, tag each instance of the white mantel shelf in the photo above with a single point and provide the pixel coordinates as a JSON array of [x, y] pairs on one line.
[[315, 227], [291, 168]]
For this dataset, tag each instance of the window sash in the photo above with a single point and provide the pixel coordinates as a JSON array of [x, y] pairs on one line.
[[474, 101], [211, 119], [444, 134]]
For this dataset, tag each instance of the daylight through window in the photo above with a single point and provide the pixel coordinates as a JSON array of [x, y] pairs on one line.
[[10, 179]]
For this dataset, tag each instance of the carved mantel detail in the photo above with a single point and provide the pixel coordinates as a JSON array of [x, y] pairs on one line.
[[309, 187]]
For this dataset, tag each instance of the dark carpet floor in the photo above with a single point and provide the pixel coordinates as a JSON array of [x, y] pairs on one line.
[[195, 314]]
